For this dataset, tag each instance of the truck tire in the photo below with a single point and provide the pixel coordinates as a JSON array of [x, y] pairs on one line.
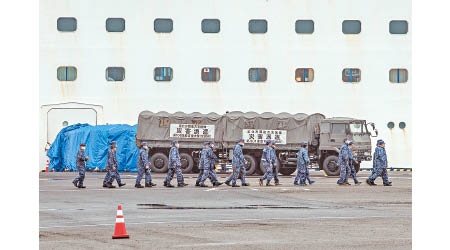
[[187, 163], [263, 169], [159, 163], [250, 167], [286, 171], [330, 166]]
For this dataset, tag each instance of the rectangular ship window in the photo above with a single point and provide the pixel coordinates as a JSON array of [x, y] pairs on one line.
[[257, 26], [66, 24], [304, 26], [115, 24], [257, 74], [66, 73], [351, 75], [163, 74], [398, 27], [163, 25], [398, 75], [210, 74], [351, 27], [210, 25], [114, 74], [304, 75]]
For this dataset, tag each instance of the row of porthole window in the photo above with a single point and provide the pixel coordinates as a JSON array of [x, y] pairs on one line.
[[401, 125], [350, 75], [255, 26]]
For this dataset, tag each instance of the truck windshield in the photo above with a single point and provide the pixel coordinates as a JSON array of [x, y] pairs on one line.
[[356, 128]]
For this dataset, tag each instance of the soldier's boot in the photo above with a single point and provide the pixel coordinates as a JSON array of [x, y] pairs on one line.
[[182, 184], [235, 185], [122, 184], [227, 183], [341, 183], [311, 182], [245, 184], [169, 185], [165, 184], [153, 184], [346, 183], [269, 185], [388, 183], [138, 186], [296, 183], [105, 185], [110, 185], [197, 184], [203, 185], [217, 184], [357, 183], [260, 181], [75, 183], [81, 186], [148, 185], [370, 182]]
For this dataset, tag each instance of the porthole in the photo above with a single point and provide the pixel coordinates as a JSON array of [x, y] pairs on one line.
[[390, 125], [402, 125], [65, 123]]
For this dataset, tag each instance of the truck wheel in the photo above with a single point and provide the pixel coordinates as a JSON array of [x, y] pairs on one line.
[[286, 171], [330, 166], [160, 163], [250, 167], [263, 169], [187, 163], [357, 167]]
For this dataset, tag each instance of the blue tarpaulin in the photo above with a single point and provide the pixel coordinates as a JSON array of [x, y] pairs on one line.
[[64, 149]]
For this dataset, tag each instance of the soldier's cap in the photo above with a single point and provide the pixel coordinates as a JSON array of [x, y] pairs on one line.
[[174, 142], [304, 143], [144, 143], [379, 142], [82, 145], [345, 139], [350, 143], [268, 142], [240, 140]]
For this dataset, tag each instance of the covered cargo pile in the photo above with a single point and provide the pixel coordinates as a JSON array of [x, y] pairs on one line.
[[64, 149]]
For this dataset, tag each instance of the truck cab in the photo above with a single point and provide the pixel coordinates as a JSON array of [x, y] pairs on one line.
[[332, 134]]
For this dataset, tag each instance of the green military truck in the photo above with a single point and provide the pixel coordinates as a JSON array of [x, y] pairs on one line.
[[324, 135]]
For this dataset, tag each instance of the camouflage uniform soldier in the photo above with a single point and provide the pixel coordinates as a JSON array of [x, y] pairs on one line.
[[209, 164], [174, 166], [81, 166], [344, 157], [112, 166], [275, 164], [352, 162], [201, 164], [302, 166], [267, 162], [144, 167], [381, 164], [238, 163]]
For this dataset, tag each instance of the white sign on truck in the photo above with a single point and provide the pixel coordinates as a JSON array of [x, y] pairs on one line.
[[260, 136], [192, 131]]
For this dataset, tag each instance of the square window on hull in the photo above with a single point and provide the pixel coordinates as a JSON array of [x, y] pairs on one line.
[[351, 27], [304, 26], [304, 75], [257, 26], [210, 74], [210, 25], [398, 75], [115, 74], [66, 24], [257, 74], [115, 24], [398, 27], [66, 73], [351, 75], [163, 74], [163, 25]]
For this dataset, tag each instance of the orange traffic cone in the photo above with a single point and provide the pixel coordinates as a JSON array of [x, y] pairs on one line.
[[120, 232]]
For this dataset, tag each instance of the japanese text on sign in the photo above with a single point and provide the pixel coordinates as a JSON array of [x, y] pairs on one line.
[[194, 131], [260, 136]]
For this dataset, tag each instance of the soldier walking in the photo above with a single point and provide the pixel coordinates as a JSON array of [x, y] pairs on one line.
[[209, 166], [174, 166], [112, 167], [267, 162], [201, 164], [144, 167], [302, 166], [352, 162], [81, 166], [238, 163], [343, 162], [275, 164], [380, 165]]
